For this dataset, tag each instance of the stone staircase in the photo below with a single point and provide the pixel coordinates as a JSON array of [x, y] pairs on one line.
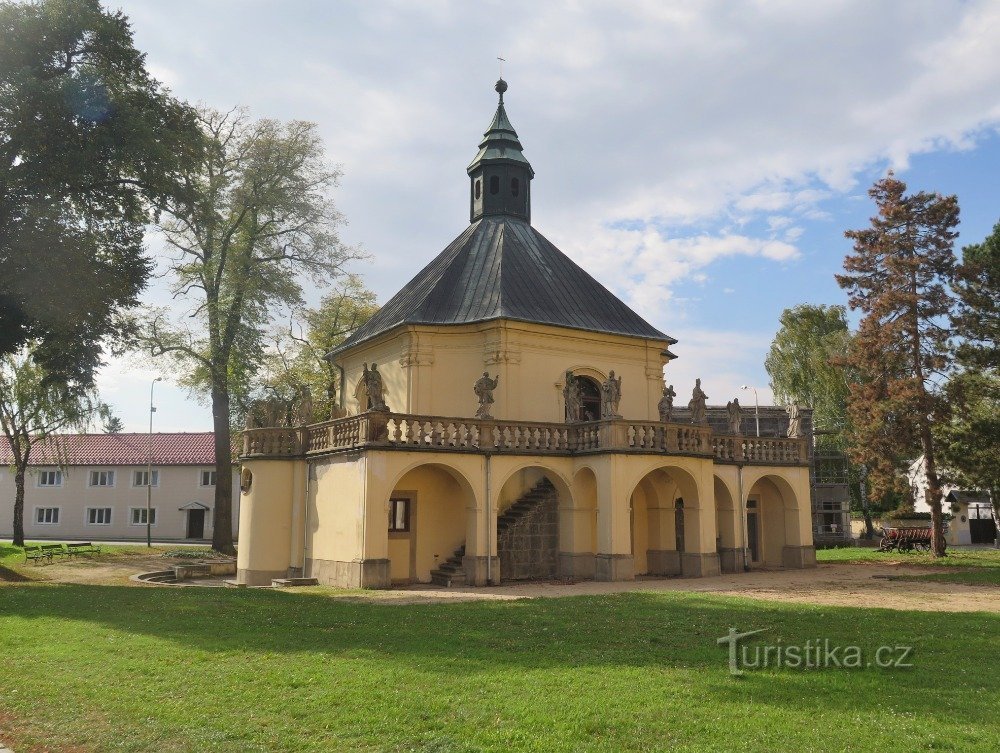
[[451, 572]]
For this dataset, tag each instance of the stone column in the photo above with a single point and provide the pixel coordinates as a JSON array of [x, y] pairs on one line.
[[614, 530]]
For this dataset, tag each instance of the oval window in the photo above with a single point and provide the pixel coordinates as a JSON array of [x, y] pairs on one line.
[[515, 186], [479, 188], [495, 184]]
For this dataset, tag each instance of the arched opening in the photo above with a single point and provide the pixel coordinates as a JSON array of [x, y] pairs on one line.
[[494, 184], [528, 509], [426, 518], [772, 520], [729, 536], [515, 187], [666, 520], [479, 188], [590, 398]]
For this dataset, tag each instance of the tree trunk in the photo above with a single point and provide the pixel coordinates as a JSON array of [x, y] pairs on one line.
[[222, 531], [995, 499], [933, 496], [19, 506], [866, 509]]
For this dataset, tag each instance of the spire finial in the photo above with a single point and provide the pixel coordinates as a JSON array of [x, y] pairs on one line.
[[500, 88]]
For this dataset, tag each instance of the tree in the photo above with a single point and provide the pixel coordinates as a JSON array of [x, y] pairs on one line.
[[296, 360], [802, 364], [970, 440], [899, 277], [257, 221], [32, 410], [87, 138], [110, 423]]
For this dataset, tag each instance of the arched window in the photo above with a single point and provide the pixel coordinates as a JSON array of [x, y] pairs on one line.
[[494, 184], [479, 188], [590, 402], [515, 186]]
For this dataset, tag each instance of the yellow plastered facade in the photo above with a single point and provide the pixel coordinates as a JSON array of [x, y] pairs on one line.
[[620, 514]]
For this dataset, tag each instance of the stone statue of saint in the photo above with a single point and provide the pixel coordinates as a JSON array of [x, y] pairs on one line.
[[573, 397], [666, 404], [735, 413], [304, 411], [484, 391], [697, 405], [611, 395], [371, 391], [794, 421]]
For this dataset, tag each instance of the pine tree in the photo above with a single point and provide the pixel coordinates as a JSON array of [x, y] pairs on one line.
[[899, 277]]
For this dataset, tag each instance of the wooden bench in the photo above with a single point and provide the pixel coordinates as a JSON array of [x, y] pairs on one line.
[[55, 550], [36, 552], [84, 547]]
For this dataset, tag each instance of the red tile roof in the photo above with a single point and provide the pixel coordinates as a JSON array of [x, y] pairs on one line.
[[196, 448]]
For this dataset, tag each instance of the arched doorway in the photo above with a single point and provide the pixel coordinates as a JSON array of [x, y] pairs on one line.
[[772, 521], [529, 506], [590, 398], [427, 515], [667, 521], [729, 541]]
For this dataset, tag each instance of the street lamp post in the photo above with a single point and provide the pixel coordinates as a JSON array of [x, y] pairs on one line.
[[149, 467], [756, 405]]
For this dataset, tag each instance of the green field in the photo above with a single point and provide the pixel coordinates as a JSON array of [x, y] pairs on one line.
[[966, 566], [119, 668]]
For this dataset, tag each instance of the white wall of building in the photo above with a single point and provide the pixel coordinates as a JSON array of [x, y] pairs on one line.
[[179, 489]]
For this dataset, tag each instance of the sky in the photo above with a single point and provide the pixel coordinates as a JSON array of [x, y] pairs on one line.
[[702, 160]]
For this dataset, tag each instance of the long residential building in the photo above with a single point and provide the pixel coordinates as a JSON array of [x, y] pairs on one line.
[[94, 487]]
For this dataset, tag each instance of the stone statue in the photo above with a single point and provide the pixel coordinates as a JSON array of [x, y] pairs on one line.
[[794, 421], [371, 391], [697, 405], [267, 412], [666, 404], [573, 398], [305, 411], [735, 413], [611, 395], [484, 391]]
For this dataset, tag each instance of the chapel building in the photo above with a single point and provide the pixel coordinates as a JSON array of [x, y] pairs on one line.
[[504, 419]]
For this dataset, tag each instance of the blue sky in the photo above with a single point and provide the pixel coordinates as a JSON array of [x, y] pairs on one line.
[[701, 159]]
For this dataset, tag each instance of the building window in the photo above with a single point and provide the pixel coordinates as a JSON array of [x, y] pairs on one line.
[[47, 515], [515, 186], [102, 478], [399, 515], [98, 516], [590, 398], [140, 478], [138, 516], [494, 184], [50, 478], [479, 188], [208, 478]]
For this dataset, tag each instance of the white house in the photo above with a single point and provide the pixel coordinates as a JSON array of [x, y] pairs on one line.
[[972, 513], [93, 487]]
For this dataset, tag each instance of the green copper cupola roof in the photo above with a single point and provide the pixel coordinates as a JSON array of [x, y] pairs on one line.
[[500, 142]]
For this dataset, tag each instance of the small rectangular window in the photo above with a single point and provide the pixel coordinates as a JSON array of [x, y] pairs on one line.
[[50, 478], [208, 478], [98, 516], [139, 516], [140, 478], [47, 515], [399, 515], [102, 478]]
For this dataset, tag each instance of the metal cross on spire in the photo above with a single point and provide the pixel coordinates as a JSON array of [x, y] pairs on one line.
[[502, 61]]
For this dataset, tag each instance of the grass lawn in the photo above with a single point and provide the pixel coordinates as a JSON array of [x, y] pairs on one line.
[[967, 566], [118, 668]]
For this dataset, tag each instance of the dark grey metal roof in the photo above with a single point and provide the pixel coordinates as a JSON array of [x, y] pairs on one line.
[[502, 268]]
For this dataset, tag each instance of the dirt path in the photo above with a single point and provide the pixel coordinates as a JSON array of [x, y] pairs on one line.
[[854, 585]]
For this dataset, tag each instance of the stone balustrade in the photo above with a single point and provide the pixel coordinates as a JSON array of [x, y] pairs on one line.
[[440, 433]]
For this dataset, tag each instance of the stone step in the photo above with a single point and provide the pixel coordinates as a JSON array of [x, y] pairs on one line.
[[293, 582]]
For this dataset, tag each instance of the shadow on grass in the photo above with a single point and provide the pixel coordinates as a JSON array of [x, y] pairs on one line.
[[629, 630]]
